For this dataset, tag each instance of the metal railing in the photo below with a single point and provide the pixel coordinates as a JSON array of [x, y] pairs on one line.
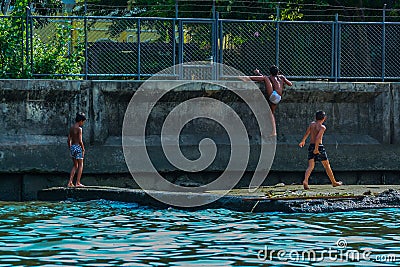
[[137, 48]]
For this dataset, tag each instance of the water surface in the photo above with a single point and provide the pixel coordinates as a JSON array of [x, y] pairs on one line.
[[106, 233]]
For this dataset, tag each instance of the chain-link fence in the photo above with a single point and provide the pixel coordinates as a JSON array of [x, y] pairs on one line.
[[305, 49], [248, 45], [391, 50], [361, 50], [137, 48], [130, 47]]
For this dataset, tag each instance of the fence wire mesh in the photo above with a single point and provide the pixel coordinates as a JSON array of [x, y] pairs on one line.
[[305, 49], [112, 46], [248, 46], [392, 55], [137, 48], [130, 47], [361, 50], [197, 41], [157, 46]]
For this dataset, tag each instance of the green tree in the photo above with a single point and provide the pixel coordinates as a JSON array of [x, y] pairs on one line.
[[12, 49]]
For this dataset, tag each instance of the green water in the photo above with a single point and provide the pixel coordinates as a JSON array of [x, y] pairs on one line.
[[105, 233]]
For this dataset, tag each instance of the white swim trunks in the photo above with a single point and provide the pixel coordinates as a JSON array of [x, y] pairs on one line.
[[275, 98]]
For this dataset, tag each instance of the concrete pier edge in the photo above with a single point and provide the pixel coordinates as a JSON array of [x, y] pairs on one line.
[[362, 138], [352, 198]]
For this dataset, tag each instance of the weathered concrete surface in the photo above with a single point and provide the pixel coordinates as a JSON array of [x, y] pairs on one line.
[[362, 138], [267, 199]]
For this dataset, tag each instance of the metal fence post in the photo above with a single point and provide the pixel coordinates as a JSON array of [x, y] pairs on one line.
[[180, 48], [333, 53], [174, 36], [339, 52], [214, 56], [86, 42], [214, 37], [221, 44], [383, 41], [337, 49], [138, 48], [277, 35], [174, 45]]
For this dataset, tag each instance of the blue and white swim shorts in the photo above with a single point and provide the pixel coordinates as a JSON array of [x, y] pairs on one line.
[[76, 152]]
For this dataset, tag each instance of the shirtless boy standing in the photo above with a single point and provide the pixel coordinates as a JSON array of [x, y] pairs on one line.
[[274, 84], [316, 151], [77, 149]]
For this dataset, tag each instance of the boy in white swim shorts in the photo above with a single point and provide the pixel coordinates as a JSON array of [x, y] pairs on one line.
[[274, 85]]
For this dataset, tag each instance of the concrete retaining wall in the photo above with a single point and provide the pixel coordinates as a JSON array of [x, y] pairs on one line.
[[362, 138]]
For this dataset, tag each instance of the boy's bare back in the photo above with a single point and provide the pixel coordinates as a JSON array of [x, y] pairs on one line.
[[315, 129], [75, 133], [278, 83]]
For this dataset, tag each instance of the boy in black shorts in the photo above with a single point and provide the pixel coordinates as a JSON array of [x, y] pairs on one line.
[[316, 150]]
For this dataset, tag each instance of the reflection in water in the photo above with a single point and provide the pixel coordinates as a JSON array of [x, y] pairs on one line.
[[105, 233]]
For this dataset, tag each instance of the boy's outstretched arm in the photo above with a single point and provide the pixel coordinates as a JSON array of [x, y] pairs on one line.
[[287, 82], [303, 141], [257, 78]]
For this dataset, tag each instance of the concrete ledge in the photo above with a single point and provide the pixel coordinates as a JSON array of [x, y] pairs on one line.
[[362, 138], [320, 199], [109, 159]]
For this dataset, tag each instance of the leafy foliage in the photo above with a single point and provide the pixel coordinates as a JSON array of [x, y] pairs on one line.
[[60, 54], [12, 36]]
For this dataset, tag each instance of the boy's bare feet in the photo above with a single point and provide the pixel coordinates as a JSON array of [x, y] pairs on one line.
[[70, 185], [79, 185], [337, 184], [305, 185]]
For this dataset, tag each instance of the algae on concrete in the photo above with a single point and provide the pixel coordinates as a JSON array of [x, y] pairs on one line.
[[281, 191]]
